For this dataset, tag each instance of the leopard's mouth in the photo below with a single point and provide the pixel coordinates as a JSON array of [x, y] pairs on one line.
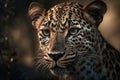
[[64, 65], [59, 71]]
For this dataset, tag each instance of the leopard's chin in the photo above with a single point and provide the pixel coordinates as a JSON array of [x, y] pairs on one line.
[[59, 71]]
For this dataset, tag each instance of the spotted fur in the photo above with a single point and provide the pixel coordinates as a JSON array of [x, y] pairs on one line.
[[70, 45]]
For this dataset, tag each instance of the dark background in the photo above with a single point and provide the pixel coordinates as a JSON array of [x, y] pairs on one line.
[[18, 42]]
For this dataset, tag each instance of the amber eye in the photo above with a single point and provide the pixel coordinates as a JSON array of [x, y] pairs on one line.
[[73, 31], [46, 32]]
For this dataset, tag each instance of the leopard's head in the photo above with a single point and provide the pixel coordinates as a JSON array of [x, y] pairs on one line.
[[66, 32]]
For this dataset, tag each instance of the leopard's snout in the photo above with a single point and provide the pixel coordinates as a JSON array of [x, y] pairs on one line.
[[56, 55]]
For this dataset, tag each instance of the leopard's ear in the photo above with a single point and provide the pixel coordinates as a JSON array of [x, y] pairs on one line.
[[95, 11], [36, 13]]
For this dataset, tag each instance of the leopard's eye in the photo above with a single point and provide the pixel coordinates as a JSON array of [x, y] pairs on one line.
[[46, 32], [73, 31]]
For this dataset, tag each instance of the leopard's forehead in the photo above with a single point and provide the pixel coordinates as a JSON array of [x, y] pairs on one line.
[[63, 15]]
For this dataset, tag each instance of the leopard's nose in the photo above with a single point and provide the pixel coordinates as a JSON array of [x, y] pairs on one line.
[[56, 55]]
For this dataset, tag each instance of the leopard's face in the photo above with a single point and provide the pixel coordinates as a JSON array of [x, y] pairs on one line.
[[66, 33]]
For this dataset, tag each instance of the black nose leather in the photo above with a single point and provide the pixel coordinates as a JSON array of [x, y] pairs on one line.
[[56, 56]]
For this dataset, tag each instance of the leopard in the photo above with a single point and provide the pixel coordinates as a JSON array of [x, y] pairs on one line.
[[71, 47]]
